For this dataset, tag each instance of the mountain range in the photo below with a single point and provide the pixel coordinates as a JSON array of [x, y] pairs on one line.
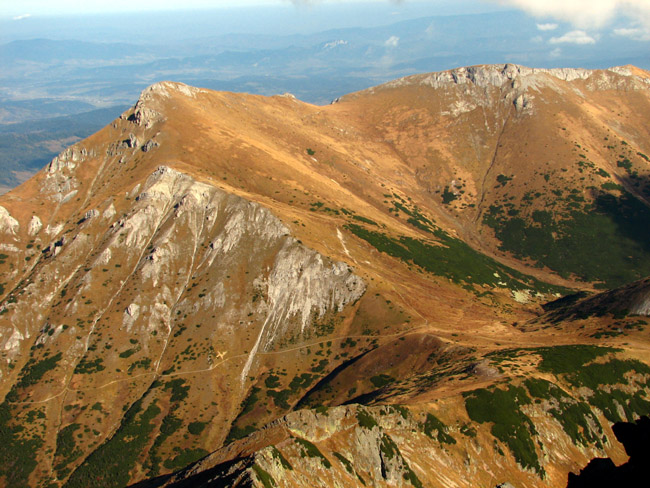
[[437, 281]]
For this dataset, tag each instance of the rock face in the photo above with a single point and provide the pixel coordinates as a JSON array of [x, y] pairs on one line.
[[498, 75], [8, 224], [356, 446], [295, 295]]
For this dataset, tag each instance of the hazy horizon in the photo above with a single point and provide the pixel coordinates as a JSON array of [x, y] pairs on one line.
[[71, 73]]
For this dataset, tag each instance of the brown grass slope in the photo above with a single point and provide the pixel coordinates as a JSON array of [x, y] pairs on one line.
[[211, 261]]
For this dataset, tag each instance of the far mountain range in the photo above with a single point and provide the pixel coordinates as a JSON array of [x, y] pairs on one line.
[[77, 68]]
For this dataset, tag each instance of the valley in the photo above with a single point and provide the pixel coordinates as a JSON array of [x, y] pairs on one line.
[[437, 281]]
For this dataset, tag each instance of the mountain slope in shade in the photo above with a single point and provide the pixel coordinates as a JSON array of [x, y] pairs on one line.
[[227, 273]]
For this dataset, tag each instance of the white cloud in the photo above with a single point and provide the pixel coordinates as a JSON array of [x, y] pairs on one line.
[[636, 33], [21, 17], [585, 14], [574, 37], [546, 27], [555, 53], [392, 41]]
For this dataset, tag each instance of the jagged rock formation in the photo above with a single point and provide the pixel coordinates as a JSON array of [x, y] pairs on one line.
[[233, 274]]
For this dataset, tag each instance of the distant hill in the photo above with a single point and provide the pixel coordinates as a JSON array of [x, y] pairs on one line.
[[27, 147]]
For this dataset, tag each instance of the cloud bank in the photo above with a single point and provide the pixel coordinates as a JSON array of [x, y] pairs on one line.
[[574, 37], [546, 27], [585, 14]]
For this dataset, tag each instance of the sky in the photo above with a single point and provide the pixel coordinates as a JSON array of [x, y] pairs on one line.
[[18, 8], [583, 14]]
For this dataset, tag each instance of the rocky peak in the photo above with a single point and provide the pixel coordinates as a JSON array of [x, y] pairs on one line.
[[497, 75], [147, 111]]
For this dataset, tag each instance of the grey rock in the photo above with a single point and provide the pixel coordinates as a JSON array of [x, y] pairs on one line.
[[149, 145]]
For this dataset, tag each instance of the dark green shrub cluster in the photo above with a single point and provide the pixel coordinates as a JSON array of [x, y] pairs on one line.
[[570, 358], [265, 478], [66, 450], [297, 384], [381, 380], [607, 241], [88, 367], [365, 220], [390, 450], [17, 448], [277, 455], [510, 425], [178, 389], [575, 416], [272, 381], [109, 465], [433, 424], [128, 353], [195, 428], [249, 403], [452, 258], [169, 425], [34, 370], [184, 457], [365, 420], [345, 462], [448, 196], [310, 450]]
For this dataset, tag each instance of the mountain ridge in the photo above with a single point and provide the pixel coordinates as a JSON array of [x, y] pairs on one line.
[[210, 262]]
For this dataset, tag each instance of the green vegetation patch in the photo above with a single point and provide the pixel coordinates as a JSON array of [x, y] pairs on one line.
[[610, 373], [66, 449], [195, 428], [381, 380], [365, 220], [345, 462], [34, 370], [365, 420], [448, 196], [390, 451], [586, 366], [575, 416], [510, 425], [265, 478], [607, 241], [277, 455], [451, 258], [185, 457], [310, 450], [128, 353], [18, 447], [249, 403], [88, 367], [567, 359], [272, 381], [178, 389], [169, 425], [609, 402], [109, 465], [297, 384], [433, 425], [237, 432]]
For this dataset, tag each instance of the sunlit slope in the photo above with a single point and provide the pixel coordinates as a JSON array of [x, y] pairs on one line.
[[211, 261]]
